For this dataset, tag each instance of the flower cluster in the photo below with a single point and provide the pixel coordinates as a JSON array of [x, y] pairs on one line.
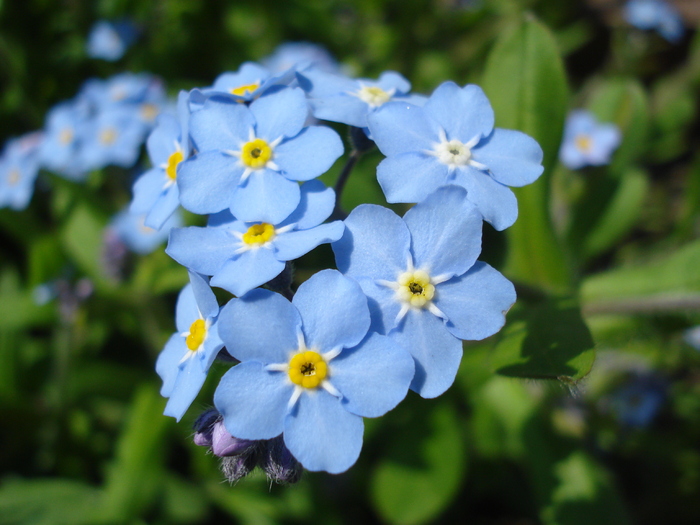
[[311, 362]]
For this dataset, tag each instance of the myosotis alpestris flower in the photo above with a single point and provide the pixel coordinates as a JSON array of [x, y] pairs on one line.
[[586, 141]]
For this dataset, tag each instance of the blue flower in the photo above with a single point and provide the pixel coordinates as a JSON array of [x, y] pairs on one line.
[[342, 99], [586, 142], [250, 157], [637, 402], [184, 362], [451, 140], [64, 130], [300, 56], [309, 370], [19, 166], [426, 289], [655, 14], [114, 136], [156, 193], [109, 40], [139, 238], [243, 255]]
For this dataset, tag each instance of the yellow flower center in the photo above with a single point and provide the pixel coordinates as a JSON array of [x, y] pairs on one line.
[[13, 177], [149, 112], [108, 136], [244, 90], [374, 96], [259, 233], [583, 143], [198, 332], [415, 288], [65, 136], [173, 160], [307, 369], [256, 153]]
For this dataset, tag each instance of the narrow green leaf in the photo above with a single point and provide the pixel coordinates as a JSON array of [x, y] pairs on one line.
[[82, 238], [525, 81]]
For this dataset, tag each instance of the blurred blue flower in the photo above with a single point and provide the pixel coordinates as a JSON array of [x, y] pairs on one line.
[[637, 402], [19, 166], [300, 56], [65, 127], [184, 362], [692, 337], [243, 255], [309, 370], [109, 40], [451, 140], [130, 229], [426, 289], [655, 14], [586, 142], [250, 157], [155, 192], [338, 98]]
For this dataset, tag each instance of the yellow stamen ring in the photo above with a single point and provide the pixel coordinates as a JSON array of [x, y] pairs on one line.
[[108, 136], [256, 153], [259, 233], [583, 143], [307, 369], [244, 90], [415, 288], [198, 333], [173, 160]]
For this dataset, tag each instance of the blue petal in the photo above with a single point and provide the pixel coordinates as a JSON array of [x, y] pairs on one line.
[[219, 126], [206, 300], [322, 85], [262, 326], [147, 189], [163, 140], [383, 305], [280, 115], [373, 377], [436, 351], [167, 363], [316, 204], [203, 250], [265, 196], [496, 202], [163, 208], [253, 401], [514, 158], [476, 302], [410, 177], [309, 154], [375, 244], [248, 270], [463, 113], [186, 310], [399, 127], [389, 80], [346, 109], [292, 245], [333, 310], [322, 435], [190, 379], [208, 181], [445, 232]]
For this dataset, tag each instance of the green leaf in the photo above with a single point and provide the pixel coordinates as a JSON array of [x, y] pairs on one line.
[[45, 260], [422, 469], [18, 309], [525, 81], [82, 237], [545, 340]]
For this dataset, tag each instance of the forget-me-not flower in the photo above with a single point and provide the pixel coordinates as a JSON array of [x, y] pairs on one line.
[[110, 40], [19, 166], [136, 236], [309, 370], [65, 127], [250, 157], [184, 362], [655, 14], [242, 255], [427, 290], [451, 140], [300, 56], [587, 142]]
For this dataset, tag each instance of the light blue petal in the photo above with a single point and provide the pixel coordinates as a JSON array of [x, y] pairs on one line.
[[147, 189], [265, 196], [183, 117], [322, 85], [163, 208], [247, 271], [309, 154], [262, 326], [219, 126], [389, 80], [571, 156], [186, 310], [605, 140], [208, 181], [399, 127], [206, 300], [496, 202], [410, 177], [163, 140], [463, 113], [383, 305], [347, 109], [322, 435], [375, 244], [203, 250], [167, 363], [514, 158], [445, 232], [476, 302], [436, 351], [316, 204], [281, 114], [292, 245], [373, 377], [190, 379], [252, 401], [333, 310]]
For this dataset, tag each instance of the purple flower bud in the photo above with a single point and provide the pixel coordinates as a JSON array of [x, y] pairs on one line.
[[239, 466], [204, 426], [279, 464], [224, 444]]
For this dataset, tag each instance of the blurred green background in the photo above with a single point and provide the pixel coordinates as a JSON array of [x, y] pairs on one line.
[[584, 409]]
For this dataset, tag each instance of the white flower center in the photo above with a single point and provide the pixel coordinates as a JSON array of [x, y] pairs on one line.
[[374, 96], [453, 153]]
